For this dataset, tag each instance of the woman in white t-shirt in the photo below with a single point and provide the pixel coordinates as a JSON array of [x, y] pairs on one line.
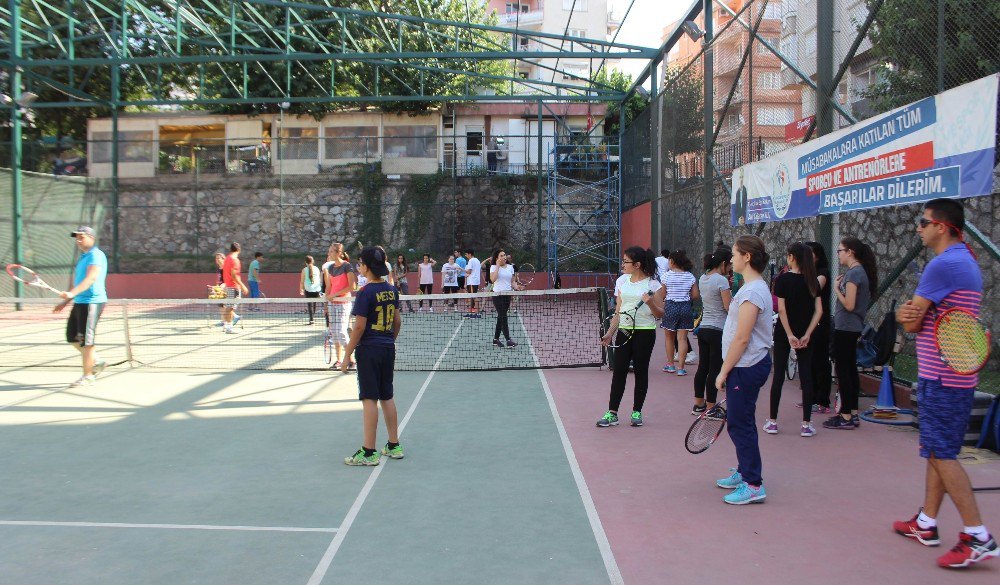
[[682, 288], [502, 278], [426, 272], [449, 280], [635, 285], [310, 285], [746, 344]]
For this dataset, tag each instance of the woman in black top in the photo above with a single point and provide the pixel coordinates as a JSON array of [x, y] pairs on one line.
[[799, 310], [821, 366]]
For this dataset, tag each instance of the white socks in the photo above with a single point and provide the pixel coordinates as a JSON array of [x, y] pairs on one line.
[[977, 531], [925, 522]]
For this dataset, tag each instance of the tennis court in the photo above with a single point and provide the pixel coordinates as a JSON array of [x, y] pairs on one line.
[[232, 476]]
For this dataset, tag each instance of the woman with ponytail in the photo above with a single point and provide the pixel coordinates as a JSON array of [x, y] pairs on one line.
[[822, 377], [855, 290], [640, 295], [681, 289], [715, 298], [799, 312]]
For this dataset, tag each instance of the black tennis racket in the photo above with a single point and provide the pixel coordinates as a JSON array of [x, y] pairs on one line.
[[621, 326], [28, 276], [706, 429]]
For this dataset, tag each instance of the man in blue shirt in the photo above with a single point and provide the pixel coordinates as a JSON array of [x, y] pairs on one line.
[[461, 261], [88, 296]]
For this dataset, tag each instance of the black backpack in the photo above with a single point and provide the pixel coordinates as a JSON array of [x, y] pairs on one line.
[[875, 347]]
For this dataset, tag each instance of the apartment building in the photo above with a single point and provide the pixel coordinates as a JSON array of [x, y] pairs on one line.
[[590, 19], [798, 42], [753, 126]]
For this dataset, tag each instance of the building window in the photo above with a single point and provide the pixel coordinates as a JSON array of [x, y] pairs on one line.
[[133, 147], [734, 122], [299, 144], [769, 80], [773, 11], [810, 42], [574, 72], [513, 7], [762, 48], [473, 143], [351, 142], [774, 116], [410, 141], [581, 5], [523, 43], [789, 48], [522, 74]]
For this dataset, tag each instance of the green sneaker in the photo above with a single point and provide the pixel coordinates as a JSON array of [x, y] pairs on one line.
[[610, 419], [394, 453], [359, 458], [636, 418]]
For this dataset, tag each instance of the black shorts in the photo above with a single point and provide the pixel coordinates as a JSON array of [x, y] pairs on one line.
[[472, 288], [461, 282], [82, 325], [450, 290], [375, 368]]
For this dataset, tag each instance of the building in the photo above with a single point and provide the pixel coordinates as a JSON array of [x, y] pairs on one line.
[[590, 19], [798, 42], [466, 139], [753, 126]]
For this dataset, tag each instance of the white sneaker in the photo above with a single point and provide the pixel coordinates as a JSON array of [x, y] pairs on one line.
[[431, 310], [83, 381], [99, 367], [229, 329]]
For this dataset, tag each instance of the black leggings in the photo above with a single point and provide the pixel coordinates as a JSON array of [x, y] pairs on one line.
[[781, 352], [710, 360], [502, 304], [637, 352], [845, 357], [426, 289], [312, 306], [822, 377]]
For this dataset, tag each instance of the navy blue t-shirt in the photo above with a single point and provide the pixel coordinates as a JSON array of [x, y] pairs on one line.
[[377, 302]]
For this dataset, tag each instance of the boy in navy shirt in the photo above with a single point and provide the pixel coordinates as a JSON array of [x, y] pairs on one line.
[[373, 341]]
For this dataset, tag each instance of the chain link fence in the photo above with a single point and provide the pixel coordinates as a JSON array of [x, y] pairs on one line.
[[764, 57]]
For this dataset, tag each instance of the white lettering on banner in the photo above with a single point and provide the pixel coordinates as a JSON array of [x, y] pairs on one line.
[[916, 187]]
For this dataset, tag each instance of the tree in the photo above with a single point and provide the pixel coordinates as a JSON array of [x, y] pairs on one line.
[[683, 113], [904, 43], [633, 107]]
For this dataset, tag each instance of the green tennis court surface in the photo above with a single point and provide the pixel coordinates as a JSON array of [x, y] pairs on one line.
[[159, 476]]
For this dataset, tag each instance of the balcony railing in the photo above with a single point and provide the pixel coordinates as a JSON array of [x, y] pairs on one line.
[[522, 19]]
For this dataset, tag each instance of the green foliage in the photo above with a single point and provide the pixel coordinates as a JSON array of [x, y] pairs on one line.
[[683, 118], [417, 208], [904, 38], [633, 107], [371, 181]]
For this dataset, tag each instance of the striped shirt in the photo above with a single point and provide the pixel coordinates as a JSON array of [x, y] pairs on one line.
[[952, 279], [678, 285]]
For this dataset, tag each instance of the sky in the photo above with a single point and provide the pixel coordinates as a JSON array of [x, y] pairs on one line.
[[644, 25]]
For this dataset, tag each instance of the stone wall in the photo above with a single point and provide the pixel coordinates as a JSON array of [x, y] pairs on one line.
[[167, 227]]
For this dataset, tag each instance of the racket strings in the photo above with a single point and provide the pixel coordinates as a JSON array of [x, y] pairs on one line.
[[963, 342], [704, 431], [21, 273]]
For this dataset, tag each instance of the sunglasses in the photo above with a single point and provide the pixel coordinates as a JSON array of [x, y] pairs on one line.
[[924, 222]]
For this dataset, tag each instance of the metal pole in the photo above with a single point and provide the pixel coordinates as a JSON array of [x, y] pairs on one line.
[[115, 236], [940, 45], [708, 195], [656, 121], [15, 140], [538, 195], [281, 183], [828, 224]]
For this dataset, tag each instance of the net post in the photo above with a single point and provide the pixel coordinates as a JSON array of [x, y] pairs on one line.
[[128, 336], [602, 307]]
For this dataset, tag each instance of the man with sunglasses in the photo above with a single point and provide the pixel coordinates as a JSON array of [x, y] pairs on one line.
[[951, 279]]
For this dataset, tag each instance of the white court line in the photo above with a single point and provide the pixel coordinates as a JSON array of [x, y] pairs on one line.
[[327, 560], [610, 564], [165, 526]]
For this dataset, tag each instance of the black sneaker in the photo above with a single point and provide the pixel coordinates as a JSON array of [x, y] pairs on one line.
[[838, 422], [698, 409], [497, 343], [511, 344], [855, 420]]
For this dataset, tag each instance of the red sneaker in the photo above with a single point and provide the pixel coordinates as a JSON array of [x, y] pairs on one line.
[[969, 550], [910, 529]]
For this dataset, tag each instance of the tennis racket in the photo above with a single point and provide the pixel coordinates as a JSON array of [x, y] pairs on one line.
[[328, 348], [706, 429], [622, 328], [962, 340], [28, 277], [525, 273]]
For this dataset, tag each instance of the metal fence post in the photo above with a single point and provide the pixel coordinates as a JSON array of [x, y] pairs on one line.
[[708, 174], [15, 141], [824, 112]]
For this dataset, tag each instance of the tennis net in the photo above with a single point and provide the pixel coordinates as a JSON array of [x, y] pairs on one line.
[[551, 329]]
